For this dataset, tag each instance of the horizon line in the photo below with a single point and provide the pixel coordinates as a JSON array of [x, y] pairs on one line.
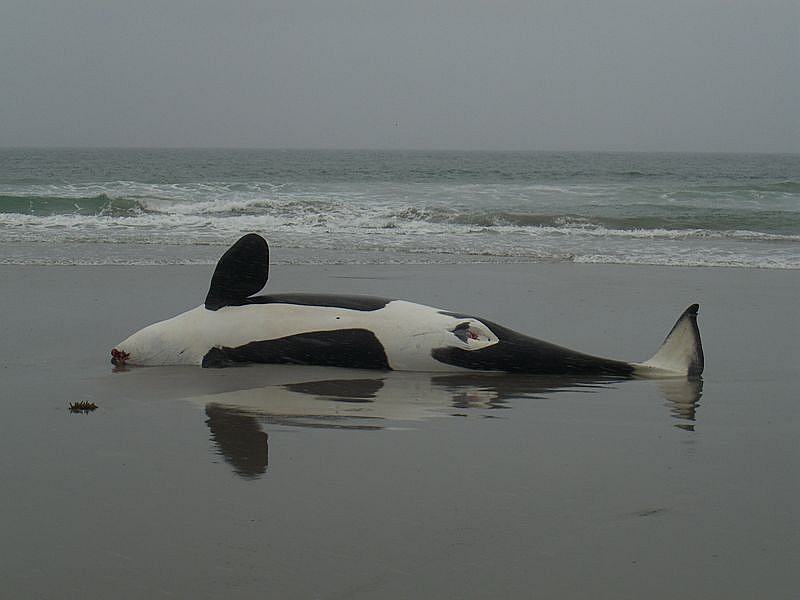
[[388, 150]]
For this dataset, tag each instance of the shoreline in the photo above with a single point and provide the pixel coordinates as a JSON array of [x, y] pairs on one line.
[[129, 255], [357, 265]]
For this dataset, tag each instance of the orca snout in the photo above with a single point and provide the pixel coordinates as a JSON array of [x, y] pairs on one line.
[[119, 357]]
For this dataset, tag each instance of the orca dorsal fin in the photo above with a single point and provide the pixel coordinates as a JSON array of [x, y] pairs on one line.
[[241, 272]]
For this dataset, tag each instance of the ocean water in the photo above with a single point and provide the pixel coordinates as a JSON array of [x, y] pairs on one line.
[[126, 206]]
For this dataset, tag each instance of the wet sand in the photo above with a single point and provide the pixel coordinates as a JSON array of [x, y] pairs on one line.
[[295, 482]]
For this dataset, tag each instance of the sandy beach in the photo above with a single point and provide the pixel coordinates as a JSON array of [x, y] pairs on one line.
[[296, 482]]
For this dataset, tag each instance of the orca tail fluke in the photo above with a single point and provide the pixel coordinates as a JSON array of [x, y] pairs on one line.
[[681, 353]]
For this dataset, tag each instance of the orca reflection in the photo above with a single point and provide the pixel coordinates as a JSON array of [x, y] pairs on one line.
[[236, 419]]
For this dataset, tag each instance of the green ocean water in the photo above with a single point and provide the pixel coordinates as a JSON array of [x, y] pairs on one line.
[[136, 206]]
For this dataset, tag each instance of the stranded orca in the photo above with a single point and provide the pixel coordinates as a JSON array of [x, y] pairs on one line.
[[233, 326]]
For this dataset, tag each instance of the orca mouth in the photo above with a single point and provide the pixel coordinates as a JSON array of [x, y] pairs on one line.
[[118, 357]]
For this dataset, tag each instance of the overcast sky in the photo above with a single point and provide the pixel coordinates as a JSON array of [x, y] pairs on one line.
[[674, 75]]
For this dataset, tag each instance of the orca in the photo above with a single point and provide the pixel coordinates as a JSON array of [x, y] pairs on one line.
[[234, 326]]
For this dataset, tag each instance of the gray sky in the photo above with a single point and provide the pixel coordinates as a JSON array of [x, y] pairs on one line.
[[704, 75]]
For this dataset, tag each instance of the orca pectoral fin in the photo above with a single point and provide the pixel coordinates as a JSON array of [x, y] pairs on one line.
[[220, 358], [241, 272], [681, 353]]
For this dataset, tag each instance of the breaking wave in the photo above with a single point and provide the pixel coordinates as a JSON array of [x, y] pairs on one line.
[[354, 207]]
